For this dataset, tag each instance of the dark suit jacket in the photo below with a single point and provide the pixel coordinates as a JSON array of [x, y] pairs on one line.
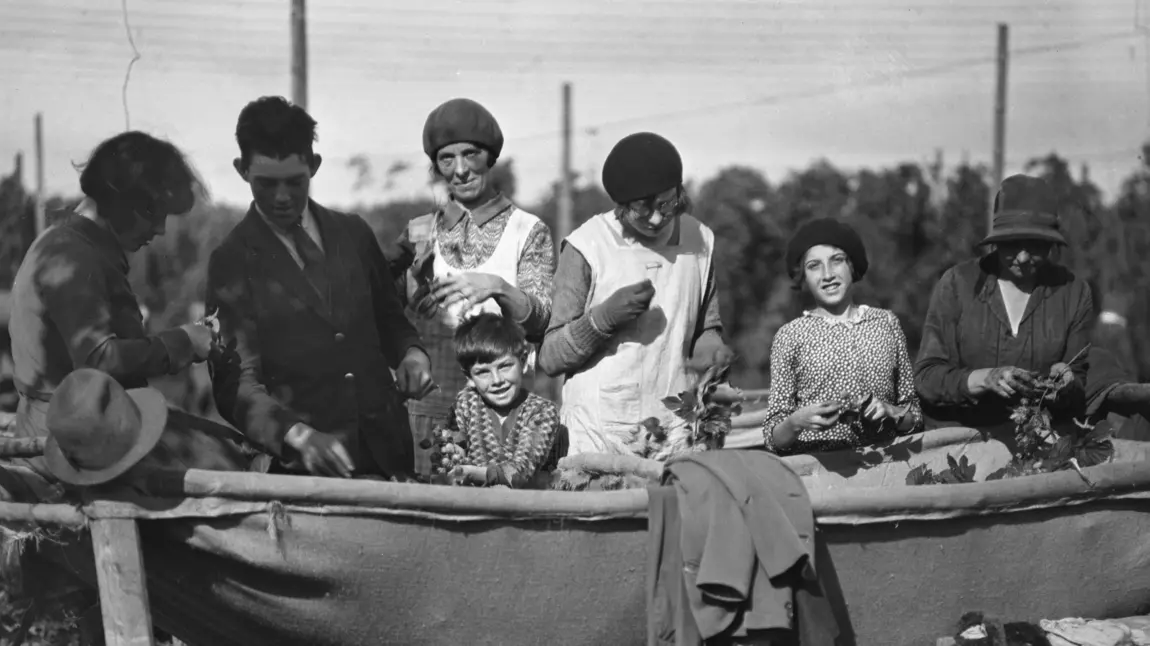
[[288, 359]]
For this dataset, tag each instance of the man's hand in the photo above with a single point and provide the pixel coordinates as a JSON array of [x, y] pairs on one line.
[[414, 375], [470, 289], [321, 453], [202, 337], [625, 305]]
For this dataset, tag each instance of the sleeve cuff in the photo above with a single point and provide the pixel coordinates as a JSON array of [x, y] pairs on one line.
[[179, 348], [585, 331]]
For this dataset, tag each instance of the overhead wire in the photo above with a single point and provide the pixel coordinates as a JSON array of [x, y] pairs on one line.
[[131, 63]]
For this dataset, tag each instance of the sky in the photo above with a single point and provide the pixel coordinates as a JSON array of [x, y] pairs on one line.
[[772, 84]]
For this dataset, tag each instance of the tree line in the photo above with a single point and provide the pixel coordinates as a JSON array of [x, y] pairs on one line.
[[917, 220]]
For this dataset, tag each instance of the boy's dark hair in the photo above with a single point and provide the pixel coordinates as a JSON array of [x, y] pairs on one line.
[[486, 337], [274, 127], [136, 174]]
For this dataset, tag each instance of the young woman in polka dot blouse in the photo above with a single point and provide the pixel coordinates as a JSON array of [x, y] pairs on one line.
[[835, 353]]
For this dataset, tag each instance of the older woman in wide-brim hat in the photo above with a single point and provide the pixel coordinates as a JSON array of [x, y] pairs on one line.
[[841, 375], [998, 323]]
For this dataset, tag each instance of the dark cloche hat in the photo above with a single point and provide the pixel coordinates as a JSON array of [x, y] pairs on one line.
[[640, 166], [461, 120]]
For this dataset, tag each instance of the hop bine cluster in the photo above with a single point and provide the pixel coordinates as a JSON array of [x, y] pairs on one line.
[[449, 450]]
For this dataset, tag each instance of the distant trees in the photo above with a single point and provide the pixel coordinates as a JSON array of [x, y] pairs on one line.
[[917, 220]]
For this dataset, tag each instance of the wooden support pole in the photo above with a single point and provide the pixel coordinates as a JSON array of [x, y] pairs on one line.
[[999, 116], [566, 220], [22, 447], [298, 54], [41, 514], [41, 214], [123, 588]]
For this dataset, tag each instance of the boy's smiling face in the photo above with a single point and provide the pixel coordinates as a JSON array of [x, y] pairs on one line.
[[498, 382]]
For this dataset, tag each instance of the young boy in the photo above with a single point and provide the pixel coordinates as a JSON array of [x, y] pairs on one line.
[[503, 434]]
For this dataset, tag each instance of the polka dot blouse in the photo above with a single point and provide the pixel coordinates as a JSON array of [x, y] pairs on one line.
[[815, 359]]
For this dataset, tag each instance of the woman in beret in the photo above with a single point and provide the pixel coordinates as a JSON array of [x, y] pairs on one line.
[[635, 309], [479, 253], [838, 356], [998, 323]]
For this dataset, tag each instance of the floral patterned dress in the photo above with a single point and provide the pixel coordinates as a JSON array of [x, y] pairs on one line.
[[815, 359]]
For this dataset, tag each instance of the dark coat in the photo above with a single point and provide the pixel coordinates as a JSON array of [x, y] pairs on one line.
[[289, 359], [967, 328]]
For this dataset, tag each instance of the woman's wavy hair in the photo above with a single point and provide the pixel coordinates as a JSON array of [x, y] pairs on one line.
[[134, 174]]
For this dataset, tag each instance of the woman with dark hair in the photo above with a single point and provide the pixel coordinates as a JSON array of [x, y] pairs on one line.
[[72, 304], [841, 375], [998, 323]]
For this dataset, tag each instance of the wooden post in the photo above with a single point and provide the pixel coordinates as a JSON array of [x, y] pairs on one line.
[[41, 218], [566, 221], [298, 54], [999, 116], [123, 588]]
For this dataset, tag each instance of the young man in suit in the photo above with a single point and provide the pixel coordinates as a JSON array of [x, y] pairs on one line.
[[310, 322]]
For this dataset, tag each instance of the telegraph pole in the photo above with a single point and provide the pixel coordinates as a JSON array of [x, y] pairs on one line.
[[1000, 114], [566, 220], [40, 217], [298, 54]]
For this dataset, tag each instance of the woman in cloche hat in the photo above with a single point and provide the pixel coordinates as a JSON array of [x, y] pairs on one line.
[[478, 253], [636, 309], [998, 323], [838, 355]]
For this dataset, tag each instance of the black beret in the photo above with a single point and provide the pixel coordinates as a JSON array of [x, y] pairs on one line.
[[825, 231], [640, 166], [461, 120]]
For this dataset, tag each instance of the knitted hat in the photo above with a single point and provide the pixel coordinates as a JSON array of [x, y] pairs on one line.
[[461, 120], [833, 233], [1025, 208], [640, 166]]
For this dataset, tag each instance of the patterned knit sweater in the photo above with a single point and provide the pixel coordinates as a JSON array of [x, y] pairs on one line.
[[514, 451]]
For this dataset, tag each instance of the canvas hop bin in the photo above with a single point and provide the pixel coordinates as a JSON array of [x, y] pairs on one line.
[[252, 559]]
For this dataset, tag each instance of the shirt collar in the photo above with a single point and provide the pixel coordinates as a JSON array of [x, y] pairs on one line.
[[306, 219], [861, 313], [453, 212]]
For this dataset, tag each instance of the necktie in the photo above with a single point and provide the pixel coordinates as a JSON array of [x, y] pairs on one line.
[[312, 258]]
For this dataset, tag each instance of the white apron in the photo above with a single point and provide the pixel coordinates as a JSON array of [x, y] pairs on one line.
[[503, 262], [645, 362]]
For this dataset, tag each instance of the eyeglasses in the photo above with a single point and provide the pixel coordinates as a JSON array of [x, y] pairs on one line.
[[646, 208]]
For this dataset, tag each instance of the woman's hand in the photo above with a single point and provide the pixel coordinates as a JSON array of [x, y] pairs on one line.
[[1009, 381], [815, 417], [879, 410], [1063, 376], [469, 288]]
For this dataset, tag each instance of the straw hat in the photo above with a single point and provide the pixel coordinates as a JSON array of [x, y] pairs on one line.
[[97, 430], [1025, 208]]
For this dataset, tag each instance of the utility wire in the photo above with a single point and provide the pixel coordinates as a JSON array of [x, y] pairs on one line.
[[131, 63]]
